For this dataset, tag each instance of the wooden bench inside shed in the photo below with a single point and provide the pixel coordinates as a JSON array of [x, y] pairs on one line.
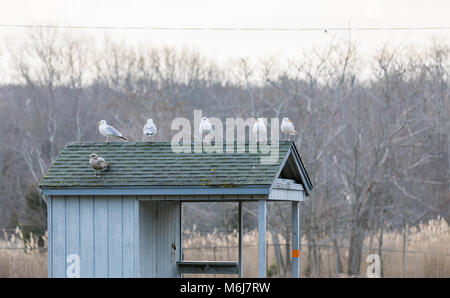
[[208, 267]]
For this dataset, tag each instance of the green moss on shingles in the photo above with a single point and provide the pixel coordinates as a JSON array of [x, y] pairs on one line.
[[144, 164]]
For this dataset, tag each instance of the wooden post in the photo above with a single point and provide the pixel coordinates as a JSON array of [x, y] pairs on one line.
[[240, 231], [295, 239], [261, 238], [180, 236]]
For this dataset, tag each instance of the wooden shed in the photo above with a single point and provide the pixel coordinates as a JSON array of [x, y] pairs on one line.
[[127, 223]]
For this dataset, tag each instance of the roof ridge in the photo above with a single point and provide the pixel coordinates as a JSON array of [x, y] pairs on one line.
[[161, 143]]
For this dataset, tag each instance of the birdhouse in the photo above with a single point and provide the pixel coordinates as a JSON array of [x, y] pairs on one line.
[[128, 221]]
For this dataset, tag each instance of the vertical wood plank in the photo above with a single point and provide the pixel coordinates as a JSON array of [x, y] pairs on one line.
[[137, 259], [49, 235], [129, 241], [262, 238], [152, 236], [147, 239], [59, 236], [141, 223], [295, 238], [177, 236], [170, 222], [158, 240], [240, 234], [87, 236], [72, 226], [180, 216], [175, 227], [115, 237], [170, 236], [101, 236], [161, 234], [167, 233]]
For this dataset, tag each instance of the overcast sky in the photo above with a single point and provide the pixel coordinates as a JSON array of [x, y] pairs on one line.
[[236, 13]]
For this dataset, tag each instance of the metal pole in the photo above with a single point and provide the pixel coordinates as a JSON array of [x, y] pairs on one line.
[[180, 235], [240, 231], [295, 239], [262, 238]]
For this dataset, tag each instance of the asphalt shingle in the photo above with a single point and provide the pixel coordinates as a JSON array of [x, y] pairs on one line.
[[139, 164]]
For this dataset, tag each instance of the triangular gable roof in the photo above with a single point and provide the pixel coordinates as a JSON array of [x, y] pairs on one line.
[[294, 168], [142, 165]]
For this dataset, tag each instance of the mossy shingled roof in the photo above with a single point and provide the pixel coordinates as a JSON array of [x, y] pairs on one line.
[[139, 164]]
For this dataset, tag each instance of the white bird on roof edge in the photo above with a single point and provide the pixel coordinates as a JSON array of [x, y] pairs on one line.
[[149, 129], [259, 129], [109, 131], [205, 129], [98, 164], [287, 127]]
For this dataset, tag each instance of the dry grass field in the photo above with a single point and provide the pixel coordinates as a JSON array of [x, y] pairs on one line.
[[22, 258], [427, 253]]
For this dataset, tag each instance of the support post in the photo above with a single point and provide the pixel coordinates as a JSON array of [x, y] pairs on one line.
[[180, 235], [295, 239], [261, 238], [240, 231]]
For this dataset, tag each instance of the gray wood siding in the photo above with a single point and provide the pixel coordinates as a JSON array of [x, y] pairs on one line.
[[277, 194], [101, 230], [87, 260], [159, 227]]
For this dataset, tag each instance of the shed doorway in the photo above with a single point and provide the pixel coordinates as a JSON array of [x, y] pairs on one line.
[[159, 238]]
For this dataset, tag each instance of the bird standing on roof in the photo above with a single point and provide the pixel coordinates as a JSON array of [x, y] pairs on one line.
[[109, 131], [259, 129], [205, 129], [287, 127], [98, 164], [149, 129]]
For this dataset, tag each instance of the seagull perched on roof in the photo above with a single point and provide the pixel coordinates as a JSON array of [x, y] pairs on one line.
[[98, 164], [259, 129], [287, 127], [149, 129], [109, 131], [205, 128]]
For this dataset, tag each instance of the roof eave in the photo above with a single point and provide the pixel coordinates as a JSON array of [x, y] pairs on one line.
[[158, 190]]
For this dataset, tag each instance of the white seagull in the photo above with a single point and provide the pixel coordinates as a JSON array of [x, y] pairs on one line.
[[259, 129], [205, 128], [149, 129], [109, 131], [98, 164], [287, 127]]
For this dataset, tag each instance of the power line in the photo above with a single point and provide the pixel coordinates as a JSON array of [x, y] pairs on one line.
[[325, 29]]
